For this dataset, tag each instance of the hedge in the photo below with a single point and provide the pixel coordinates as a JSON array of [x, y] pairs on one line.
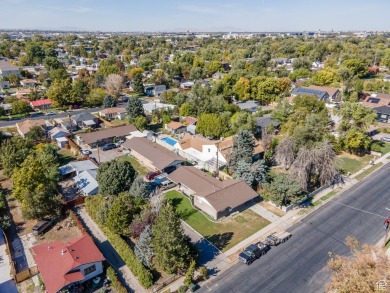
[[115, 283], [144, 276]]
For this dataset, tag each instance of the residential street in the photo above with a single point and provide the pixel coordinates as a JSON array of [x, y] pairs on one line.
[[109, 252], [299, 265]]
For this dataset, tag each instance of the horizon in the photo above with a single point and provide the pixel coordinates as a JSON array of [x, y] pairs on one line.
[[199, 16]]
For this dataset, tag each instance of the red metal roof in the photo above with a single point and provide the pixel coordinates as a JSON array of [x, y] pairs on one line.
[[55, 260], [38, 103]]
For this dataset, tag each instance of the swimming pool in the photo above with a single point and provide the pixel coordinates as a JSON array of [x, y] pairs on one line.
[[169, 141]]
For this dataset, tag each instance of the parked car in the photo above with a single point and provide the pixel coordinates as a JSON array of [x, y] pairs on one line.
[[386, 139], [169, 169], [119, 143], [85, 152], [167, 185], [108, 146], [41, 227], [50, 113], [151, 175], [277, 238], [253, 252]]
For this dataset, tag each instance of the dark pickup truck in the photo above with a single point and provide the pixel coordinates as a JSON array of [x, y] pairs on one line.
[[277, 238], [253, 252]]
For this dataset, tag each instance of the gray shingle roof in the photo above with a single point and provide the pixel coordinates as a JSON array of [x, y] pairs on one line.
[[83, 117], [383, 110], [6, 66]]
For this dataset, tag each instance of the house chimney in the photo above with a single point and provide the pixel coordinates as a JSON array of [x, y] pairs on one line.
[[63, 252]]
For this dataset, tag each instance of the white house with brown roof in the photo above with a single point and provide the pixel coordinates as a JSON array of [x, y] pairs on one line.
[[175, 127], [152, 155], [216, 198], [113, 113], [24, 127]]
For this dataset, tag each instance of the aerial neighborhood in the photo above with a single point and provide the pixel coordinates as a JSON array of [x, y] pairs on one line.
[[156, 162]]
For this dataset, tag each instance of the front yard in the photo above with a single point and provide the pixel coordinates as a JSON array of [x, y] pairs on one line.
[[141, 170], [351, 163], [223, 235]]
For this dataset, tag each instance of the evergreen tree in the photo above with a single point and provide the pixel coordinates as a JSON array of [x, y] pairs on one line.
[[189, 277], [134, 108], [169, 243], [138, 85], [252, 174], [283, 190], [115, 177], [140, 188], [243, 145], [143, 249], [109, 102]]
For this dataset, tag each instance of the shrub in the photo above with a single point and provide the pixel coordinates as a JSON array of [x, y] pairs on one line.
[[182, 289], [203, 271], [115, 283]]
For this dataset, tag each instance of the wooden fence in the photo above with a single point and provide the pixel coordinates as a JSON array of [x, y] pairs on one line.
[[26, 274], [165, 283]]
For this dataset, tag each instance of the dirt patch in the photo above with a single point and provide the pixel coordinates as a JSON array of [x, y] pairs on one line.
[[23, 226], [65, 230], [272, 209], [351, 156], [5, 182]]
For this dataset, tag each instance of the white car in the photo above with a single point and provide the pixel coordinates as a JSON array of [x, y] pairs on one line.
[[85, 152], [50, 113], [386, 139]]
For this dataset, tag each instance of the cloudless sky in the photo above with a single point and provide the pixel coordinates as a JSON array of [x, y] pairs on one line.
[[196, 15]]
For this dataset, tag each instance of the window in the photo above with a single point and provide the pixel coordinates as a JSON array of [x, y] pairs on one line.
[[89, 270]]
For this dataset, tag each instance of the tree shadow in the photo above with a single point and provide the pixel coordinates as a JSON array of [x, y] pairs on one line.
[[220, 240]]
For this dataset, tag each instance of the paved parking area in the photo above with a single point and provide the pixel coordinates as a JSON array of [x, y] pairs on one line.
[[106, 156]]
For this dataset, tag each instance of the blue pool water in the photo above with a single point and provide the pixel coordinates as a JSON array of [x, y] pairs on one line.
[[169, 141]]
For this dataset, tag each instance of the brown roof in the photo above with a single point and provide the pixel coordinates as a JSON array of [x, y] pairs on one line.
[[194, 141], [24, 127], [92, 137], [112, 110], [377, 100], [158, 155], [190, 120], [330, 90], [220, 194], [175, 125]]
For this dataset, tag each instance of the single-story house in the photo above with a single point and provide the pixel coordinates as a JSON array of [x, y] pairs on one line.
[[152, 155], [61, 142], [101, 137], [265, 122], [218, 75], [250, 106], [377, 100], [75, 168], [113, 113], [175, 127], [7, 68], [320, 94], [66, 124], [7, 108], [43, 104], [65, 265], [86, 182], [24, 127], [29, 82], [214, 197], [85, 120], [189, 120], [57, 132], [155, 90], [156, 105], [383, 114], [4, 84], [187, 85], [334, 93]]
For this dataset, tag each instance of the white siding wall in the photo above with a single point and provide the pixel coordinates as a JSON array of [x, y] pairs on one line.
[[99, 270]]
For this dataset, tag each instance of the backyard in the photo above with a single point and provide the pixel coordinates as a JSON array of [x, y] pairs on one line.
[[223, 235]]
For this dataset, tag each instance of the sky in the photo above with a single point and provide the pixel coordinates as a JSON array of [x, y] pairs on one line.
[[196, 15]]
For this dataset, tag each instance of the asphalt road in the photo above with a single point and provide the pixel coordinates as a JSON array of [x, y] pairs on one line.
[[5, 123], [299, 265]]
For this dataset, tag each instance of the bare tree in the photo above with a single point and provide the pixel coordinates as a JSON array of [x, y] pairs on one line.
[[157, 202], [284, 152], [302, 167], [326, 163], [114, 84], [365, 271]]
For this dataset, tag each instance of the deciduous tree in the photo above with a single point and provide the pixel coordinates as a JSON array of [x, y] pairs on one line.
[[113, 85]]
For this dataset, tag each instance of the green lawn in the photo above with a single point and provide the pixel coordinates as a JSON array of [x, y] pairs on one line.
[[141, 170], [352, 164], [368, 171], [224, 234]]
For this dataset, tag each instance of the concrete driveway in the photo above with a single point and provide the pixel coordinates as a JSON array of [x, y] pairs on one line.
[[106, 156]]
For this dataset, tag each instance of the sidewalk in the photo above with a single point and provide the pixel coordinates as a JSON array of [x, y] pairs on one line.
[[263, 212], [109, 252]]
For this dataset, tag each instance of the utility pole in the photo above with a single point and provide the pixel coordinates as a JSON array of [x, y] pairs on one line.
[[217, 171]]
